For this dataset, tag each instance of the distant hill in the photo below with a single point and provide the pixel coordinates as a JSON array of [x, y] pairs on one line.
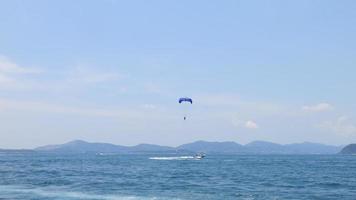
[[79, 146], [262, 147], [214, 147], [150, 148], [311, 148], [256, 147], [349, 149]]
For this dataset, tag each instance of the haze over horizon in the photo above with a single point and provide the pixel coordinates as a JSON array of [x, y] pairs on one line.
[[258, 142], [112, 71]]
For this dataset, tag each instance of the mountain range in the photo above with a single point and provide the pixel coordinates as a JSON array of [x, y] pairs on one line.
[[256, 147]]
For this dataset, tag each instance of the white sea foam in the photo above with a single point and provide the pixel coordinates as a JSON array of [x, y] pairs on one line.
[[62, 194], [106, 154], [174, 158]]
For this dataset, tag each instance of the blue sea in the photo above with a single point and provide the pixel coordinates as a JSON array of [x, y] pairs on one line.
[[109, 177]]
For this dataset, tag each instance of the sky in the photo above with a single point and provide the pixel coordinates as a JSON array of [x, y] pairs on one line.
[[112, 71]]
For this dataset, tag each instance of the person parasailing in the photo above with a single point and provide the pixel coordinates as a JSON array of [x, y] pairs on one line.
[[185, 100]]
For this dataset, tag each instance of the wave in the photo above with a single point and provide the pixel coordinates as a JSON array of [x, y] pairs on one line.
[[106, 154], [59, 193]]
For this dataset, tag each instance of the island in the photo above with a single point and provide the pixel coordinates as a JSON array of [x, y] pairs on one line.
[[349, 149]]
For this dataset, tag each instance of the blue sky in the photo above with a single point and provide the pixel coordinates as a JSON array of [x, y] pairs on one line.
[[112, 71]]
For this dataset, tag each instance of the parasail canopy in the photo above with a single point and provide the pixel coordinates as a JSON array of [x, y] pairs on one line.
[[185, 99]]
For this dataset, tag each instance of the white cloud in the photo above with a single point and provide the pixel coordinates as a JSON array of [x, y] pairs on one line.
[[13, 76], [321, 107], [9, 67], [246, 124], [251, 125], [342, 126]]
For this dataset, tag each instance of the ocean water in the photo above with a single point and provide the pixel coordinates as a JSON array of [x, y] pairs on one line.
[[109, 177]]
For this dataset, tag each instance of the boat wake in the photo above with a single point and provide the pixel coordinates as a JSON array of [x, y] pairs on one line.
[[175, 158]]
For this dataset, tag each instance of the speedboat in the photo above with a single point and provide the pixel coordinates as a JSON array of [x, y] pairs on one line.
[[199, 156]]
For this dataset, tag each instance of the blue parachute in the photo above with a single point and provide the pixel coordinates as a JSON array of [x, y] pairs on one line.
[[185, 99]]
